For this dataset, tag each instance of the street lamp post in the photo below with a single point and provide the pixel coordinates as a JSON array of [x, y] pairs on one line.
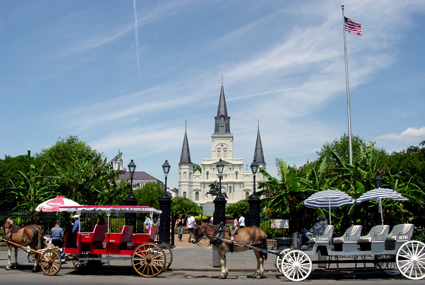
[[219, 201], [377, 180], [165, 206], [254, 200], [130, 218]]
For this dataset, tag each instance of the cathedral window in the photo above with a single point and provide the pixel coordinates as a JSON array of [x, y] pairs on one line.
[[221, 121], [184, 194], [225, 153], [196, 196], [218, 152], [230, 189], [236, 175], [246, 194], [207, 174], [184, 175], [190, 175]]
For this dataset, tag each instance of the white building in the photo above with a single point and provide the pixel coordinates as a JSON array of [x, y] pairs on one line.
[[236, 183]]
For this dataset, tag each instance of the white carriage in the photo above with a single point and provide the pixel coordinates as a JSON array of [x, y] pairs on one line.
[[394, 252]]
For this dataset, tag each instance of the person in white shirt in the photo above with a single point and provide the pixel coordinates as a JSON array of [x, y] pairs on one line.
[[190, 225], [242, 221]]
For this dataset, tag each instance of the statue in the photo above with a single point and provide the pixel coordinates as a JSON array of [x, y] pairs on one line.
[[214, 189]]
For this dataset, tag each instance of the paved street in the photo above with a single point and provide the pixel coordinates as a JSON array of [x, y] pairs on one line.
[[191, 263]]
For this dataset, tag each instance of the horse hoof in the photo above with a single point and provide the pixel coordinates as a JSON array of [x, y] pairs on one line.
[[7, 268], [223, 276]]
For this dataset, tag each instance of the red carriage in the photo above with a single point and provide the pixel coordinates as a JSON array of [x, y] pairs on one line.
[[148, 257]]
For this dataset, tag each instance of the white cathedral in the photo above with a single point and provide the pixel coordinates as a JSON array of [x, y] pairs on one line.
[[236, 183]]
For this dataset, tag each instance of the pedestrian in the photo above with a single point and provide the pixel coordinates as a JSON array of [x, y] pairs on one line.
[[236, 222], [242, 221], [314, 231], [75, 228], [148, 223], [190, 225], [56, 234], [180, 224], [76, 224]]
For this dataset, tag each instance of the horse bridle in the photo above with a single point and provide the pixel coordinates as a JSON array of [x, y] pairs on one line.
[[197, 231]]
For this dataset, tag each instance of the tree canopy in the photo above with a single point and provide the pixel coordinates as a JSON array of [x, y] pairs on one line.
[[149, 194], [184, 206]]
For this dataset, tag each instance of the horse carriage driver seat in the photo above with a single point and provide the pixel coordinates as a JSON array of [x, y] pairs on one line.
[[322, 240]]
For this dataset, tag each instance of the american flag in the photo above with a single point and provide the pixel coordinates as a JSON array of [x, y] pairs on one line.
[[352, 27]]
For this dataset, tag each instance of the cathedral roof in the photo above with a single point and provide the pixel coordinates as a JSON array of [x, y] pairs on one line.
[[222, 120], [185, 156], [258, 154]]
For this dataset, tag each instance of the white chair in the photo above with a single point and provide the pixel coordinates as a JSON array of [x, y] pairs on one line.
[[399, 235], [348, 242], [322, 242], [375, 240]]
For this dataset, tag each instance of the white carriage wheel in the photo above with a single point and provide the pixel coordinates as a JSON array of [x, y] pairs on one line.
[[279, 258], [296, 265], [410, 260]]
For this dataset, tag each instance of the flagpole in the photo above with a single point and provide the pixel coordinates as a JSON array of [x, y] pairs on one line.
[[347, 87]]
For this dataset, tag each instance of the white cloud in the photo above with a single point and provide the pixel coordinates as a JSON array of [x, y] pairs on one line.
[[409, 135]]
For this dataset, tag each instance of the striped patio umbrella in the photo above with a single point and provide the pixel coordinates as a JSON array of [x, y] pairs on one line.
[[379, 194], [328, 199]]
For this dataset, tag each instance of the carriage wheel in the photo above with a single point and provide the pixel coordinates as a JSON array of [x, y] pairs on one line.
[[279, 258], [410, 260], [389, 267], [77, 262], [168, 254], [50, 262], [148, 260], [296, 265]]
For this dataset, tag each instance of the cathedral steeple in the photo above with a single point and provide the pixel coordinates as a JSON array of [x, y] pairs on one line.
[[222, 120], [258, 154], [185, 156]]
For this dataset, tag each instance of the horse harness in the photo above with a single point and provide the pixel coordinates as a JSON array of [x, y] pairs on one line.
[[220, 231], [13, 229]]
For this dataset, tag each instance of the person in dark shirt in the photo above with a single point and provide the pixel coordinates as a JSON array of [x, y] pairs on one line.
[[57, 235]]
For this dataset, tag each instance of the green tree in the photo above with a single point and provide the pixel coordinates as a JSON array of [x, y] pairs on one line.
[[149, 194], [10, 176], [83, 174], [283, 197], [184, 206], [340, 147], [33, 189], [240, 208], [409, 164], [197, 167]]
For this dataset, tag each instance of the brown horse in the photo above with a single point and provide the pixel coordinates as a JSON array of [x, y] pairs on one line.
[[30, 235], [252, 236]]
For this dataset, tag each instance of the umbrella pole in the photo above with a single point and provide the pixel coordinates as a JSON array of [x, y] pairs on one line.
[[330, 217], [382, 214]]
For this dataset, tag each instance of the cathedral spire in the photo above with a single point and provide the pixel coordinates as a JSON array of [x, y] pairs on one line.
[[222, 120], [185, 156], [258, 154]]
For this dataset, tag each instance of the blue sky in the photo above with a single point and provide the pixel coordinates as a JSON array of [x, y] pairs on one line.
[[126, 75]]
